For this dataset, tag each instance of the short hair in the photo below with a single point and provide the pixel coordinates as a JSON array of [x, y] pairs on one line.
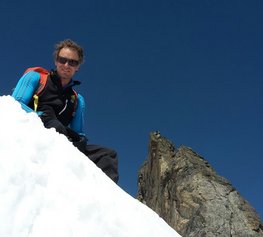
[[68, 43]]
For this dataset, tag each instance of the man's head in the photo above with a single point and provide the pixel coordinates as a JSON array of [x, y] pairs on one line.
[[68, 56], [71, 45]]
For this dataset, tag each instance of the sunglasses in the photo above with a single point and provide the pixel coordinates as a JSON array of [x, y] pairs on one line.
[[71, 62]]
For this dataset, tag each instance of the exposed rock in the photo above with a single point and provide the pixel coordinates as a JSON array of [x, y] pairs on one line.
[[190, 196]]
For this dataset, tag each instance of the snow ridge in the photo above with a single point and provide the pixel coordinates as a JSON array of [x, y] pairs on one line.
[[49, 188]]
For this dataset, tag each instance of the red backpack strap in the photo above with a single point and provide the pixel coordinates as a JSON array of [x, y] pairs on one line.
[[75, 101], [43, 77], [42, 82]]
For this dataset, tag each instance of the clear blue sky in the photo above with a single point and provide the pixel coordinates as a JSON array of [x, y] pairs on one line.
[[191, 69]]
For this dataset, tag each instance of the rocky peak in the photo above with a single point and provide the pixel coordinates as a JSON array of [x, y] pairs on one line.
[[183, 188]]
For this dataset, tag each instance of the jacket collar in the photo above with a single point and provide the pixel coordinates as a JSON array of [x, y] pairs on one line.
[[56, 78]]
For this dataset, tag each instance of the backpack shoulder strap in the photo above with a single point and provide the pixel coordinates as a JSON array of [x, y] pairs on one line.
[[75, 101], [43, 77], [42, 82]]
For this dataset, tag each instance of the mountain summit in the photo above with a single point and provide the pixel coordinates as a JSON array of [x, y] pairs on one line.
[[183, 188]]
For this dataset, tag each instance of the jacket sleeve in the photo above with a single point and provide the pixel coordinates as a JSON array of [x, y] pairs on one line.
[[25, 89], [77, 123]]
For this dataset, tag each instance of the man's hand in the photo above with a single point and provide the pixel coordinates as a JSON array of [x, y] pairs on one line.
[[81, 143]]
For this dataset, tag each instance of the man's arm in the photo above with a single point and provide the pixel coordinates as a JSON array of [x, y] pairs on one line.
[[77, 123], [25, 89]]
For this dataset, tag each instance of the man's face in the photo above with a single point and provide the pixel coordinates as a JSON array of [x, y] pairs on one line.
[[67, 63]]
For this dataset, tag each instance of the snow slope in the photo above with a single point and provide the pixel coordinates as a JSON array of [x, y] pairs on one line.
[[49, 188]]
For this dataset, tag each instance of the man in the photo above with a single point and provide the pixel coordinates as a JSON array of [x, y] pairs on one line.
[[59, 106]]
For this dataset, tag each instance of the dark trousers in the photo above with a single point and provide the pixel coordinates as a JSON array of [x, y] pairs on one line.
[[105, 159]]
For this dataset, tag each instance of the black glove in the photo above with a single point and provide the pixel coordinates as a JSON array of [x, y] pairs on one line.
[[81, 143], [72, 135]]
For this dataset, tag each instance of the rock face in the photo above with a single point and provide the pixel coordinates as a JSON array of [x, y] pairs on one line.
[[190, 196]]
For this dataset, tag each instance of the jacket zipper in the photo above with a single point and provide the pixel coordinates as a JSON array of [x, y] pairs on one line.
[[64, 107]]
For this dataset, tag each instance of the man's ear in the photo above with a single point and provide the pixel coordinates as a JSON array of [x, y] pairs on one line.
[[77, 68]]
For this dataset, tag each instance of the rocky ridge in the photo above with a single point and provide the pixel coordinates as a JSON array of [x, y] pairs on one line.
[[183, 188]]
